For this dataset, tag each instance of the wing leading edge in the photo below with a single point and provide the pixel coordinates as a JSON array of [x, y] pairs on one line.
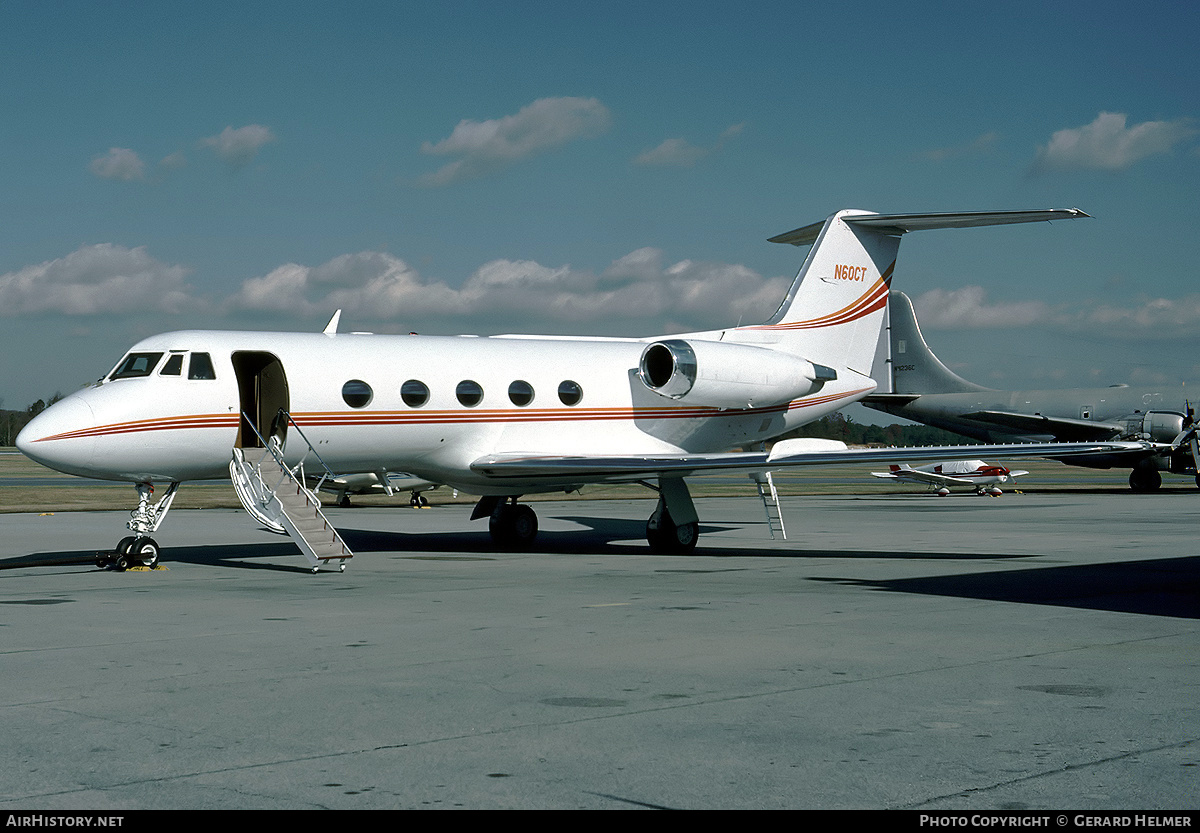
[[524, 466]]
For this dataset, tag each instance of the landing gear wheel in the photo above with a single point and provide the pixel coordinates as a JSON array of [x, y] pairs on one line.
[[144, 551], [1145, 480], [513, 525], [671, 538]]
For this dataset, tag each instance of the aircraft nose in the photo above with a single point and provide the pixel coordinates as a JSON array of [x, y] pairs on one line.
[[58, 438]]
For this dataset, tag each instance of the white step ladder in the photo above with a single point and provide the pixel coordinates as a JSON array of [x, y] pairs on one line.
[[770, 499], [275, 496]]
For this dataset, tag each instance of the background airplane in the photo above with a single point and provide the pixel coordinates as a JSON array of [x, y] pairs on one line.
[[372, 483], [924, 390], [939, 477], [503, 416]]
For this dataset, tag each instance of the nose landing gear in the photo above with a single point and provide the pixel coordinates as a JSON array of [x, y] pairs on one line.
[[139, 549]]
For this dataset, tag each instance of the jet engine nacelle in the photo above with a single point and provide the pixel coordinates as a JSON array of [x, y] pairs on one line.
[[1162, 426], [721, 375]]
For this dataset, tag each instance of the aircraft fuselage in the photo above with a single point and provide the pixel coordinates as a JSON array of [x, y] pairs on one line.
[[427, 405]]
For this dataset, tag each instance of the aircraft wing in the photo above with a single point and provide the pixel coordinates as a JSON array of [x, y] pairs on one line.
[[915, 476], [1081, 430], [576, 469]]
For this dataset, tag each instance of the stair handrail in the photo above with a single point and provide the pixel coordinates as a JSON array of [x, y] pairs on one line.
[[328, 475], [273, 447]]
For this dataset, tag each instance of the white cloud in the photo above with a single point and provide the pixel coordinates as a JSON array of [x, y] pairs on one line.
[[174, 161], [676, 153], [967, 308], [485, 147], [1144, 318], [636, 293], [1107, 144], [239, 146], [367, 285], [680, 153], [980, 145], [94, 280], [119, 163], [1147, 318]]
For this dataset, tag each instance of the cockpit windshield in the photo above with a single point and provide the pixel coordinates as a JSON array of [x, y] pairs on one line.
[[134, 365]]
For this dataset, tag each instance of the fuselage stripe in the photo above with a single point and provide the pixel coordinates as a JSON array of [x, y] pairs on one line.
[[875, 298], [397, 418]]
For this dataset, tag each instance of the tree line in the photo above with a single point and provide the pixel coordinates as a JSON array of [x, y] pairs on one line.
[[838, 426], [11, 422]]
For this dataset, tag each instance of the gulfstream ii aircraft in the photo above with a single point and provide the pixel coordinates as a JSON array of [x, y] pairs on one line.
[[502, 416]]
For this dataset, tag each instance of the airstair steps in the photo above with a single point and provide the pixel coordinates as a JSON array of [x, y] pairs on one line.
[[275, 496], [770, 499]]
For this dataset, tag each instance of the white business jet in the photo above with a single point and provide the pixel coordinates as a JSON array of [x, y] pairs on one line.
[[986, 479], [503, 416]]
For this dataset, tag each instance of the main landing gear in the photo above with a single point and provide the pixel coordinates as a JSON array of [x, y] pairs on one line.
[[139, 549], [673, 529], [512, 525]]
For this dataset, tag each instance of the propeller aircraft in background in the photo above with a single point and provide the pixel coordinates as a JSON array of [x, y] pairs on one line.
[[985, 479]]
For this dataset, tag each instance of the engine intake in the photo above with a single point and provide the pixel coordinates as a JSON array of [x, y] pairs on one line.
[[728, 376]]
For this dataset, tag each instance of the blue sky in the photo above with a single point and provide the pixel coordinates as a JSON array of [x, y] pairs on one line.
[[601, 168]]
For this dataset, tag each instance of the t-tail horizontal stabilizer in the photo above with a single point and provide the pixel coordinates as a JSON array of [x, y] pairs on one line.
[[904, 223]]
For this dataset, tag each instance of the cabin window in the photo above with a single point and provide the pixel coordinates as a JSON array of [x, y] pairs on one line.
[[414, 393], [201, 367], [469, 393], [570, 392], [134, 365], [357, 393], [173, 366], [521, 393]]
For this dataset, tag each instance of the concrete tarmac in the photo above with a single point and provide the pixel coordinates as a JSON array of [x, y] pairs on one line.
[[896, 651]]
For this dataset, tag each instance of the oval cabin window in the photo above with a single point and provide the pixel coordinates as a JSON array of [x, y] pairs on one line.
[[357, 393], [570, 392], [469, 393], [414, 393], [521, 393]]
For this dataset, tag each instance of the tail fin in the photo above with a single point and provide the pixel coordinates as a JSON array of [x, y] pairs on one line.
[[915, 369], [834, 312]]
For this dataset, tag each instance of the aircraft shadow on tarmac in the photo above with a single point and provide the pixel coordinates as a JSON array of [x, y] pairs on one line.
[[1159, 587], [597, 536]]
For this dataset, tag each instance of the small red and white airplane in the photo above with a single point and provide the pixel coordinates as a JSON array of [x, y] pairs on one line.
[[939, 477], [501, 416]]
